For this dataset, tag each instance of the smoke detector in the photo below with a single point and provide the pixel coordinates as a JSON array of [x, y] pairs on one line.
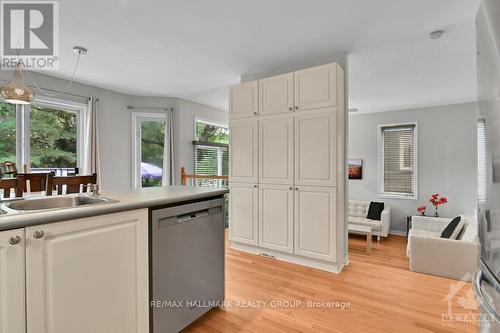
[[436, 34]]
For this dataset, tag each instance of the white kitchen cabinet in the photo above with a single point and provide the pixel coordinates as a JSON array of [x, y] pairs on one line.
[[276, 95], [243, 151], [12, 277], [276, 217], [276, 150], [316, 87], [244, 100], [316, 148], [243, 213], [89, 275], [315, 222]]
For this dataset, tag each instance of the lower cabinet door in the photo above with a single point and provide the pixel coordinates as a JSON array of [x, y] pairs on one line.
[[276, 217], [243, 213], [12, 270], [89, 275], [316, 222]]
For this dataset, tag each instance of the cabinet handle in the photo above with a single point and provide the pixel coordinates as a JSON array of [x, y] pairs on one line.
[[296, 189], [291, 188], [255, 186], [255, 113], [290, 108], [14, 240], [296, 107], [38, 234]]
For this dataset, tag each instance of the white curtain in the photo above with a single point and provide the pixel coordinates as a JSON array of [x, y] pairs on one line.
[[91, 141], [168, 177]]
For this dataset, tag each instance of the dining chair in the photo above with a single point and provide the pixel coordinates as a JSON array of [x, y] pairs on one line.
[[37, 181], [72, 184], [9, 184]]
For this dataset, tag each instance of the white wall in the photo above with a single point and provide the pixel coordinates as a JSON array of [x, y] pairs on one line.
[[114, 125], [446, 158]]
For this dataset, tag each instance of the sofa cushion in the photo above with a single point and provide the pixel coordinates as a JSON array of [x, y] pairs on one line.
[[453, 228], [420, 233], [376, 225], [357, 208], [375, 210]]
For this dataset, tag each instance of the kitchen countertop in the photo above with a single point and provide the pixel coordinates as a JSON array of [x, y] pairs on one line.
[[126, 200]]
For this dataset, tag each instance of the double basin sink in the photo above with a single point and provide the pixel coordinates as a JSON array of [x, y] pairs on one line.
[[55, 202]]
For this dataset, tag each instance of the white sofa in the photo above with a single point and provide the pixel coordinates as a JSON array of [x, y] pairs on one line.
[[431, 254], [356, 214]]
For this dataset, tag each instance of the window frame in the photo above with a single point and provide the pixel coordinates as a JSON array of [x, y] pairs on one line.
[[380, 151], [208, 122], [137, 117], [23, 127]]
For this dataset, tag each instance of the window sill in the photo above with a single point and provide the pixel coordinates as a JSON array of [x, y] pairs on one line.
[[396, 196]]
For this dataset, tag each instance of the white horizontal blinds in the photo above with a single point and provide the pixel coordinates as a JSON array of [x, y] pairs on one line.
[[210, 160], [481, 160], [397, 160]]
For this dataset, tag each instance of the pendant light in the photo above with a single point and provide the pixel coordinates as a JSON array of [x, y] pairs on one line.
[[16, 91]]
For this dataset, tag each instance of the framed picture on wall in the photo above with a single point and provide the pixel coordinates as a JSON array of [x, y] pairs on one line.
[[355, 169]]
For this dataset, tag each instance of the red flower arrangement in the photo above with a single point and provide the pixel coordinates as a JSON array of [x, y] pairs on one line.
[[437, 200], [421, 210]]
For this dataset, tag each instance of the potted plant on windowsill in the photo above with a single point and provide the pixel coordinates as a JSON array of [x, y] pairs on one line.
[[437, 200]]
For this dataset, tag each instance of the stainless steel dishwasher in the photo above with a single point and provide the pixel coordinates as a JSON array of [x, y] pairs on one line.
[[187, 263]]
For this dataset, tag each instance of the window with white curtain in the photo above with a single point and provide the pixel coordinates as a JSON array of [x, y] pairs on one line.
[[46, 135], [481, 160], [210, 153], [398, 161]]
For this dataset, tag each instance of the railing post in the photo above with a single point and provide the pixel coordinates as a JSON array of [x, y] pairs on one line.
[[183, 176]]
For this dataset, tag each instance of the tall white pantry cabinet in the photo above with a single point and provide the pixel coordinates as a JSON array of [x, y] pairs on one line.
[[287, 167]]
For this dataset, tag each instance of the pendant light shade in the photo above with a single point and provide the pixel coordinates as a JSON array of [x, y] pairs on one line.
[[16, 91]]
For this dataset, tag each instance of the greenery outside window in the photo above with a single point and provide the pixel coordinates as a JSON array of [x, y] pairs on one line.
[[45, 135], [210, 152]]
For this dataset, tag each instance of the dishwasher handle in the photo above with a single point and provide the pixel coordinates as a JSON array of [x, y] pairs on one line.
[[173, 220], [192, 216]]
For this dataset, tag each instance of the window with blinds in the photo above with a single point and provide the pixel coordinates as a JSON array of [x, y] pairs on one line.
[[210, 153], [397, 161], [481, 161]]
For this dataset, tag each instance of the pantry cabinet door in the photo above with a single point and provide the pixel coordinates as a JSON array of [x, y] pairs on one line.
[[316, 87], [316, 148], [89, 275], [276, 150], [12, 281], [316, 222], [276, 217], [243, 151], [276, 95], [243, 213], [244, 100]]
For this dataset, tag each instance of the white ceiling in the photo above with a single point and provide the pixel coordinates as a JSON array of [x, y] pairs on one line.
[[196, 49]]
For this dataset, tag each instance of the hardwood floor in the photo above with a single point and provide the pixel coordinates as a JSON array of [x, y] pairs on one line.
[[378, 292]]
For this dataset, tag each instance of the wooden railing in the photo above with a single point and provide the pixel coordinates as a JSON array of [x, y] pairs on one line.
[[185, 177]]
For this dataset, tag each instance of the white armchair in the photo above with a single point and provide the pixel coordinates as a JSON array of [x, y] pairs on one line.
[[356, 214], [431, 254]]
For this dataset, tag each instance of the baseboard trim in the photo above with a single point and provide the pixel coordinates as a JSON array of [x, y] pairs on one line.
[[291, 258], [397, 233]]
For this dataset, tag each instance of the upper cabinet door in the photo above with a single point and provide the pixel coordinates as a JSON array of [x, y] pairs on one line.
[[243, 155], [316, 87], [316, 148], [76, 268], [12, 270], [276, 94], [244, 100], [276, 150]]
